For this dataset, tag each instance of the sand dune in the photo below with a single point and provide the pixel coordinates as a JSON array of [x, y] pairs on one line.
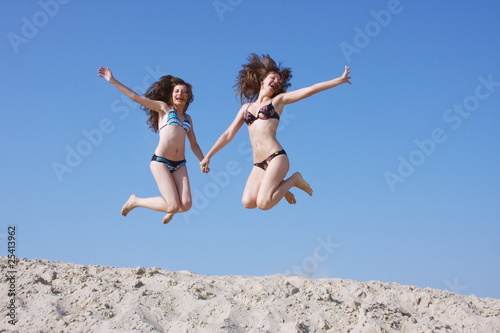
[[63, 297]]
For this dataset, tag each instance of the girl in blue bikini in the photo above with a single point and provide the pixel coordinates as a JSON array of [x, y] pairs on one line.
[[166, 102], [262, 84]]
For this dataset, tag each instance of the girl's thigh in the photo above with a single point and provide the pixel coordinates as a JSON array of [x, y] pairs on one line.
[[165, 182], [181, 180], [252, 187], [275, 174]]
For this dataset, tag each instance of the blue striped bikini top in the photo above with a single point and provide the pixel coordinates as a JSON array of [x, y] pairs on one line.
[[173, 119]]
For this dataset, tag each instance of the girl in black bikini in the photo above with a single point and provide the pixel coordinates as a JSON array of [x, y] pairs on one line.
[[263, 84]]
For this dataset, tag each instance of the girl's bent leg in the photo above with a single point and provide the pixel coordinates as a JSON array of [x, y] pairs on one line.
[[154, 203], [274, 188], [249, 198], [168, 202], [166, 185], [181, 180]]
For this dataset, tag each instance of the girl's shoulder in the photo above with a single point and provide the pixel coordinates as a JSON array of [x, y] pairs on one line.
[[244, 107]]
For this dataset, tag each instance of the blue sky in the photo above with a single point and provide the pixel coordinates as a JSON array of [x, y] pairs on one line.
[[404, 163]]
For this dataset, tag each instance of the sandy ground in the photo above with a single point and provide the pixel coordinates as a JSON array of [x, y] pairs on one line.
[[63, 297]]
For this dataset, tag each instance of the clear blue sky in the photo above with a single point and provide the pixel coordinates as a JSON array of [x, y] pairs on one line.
[[405, 163]]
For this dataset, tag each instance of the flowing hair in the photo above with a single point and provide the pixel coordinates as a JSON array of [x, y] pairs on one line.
[[254, 72], [162, 91]]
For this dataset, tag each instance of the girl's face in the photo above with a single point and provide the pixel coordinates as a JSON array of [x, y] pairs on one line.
[[272, 83], [180, 95]]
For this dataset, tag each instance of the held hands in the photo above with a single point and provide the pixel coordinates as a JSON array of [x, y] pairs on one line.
[[105, 73], [345, 77], [204, 165]]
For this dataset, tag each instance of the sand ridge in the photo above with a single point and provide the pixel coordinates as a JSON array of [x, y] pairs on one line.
[[63, 297]]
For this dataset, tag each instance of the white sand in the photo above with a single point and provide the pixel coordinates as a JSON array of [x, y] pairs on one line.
[[62, 297]]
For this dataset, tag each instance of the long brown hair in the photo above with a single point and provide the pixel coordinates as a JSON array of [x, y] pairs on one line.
[[162, 91], [254, 72]]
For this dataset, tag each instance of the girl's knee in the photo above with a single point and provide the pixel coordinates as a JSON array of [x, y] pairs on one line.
[[248, 203], [173, 207], [186, 205], [264, 204]]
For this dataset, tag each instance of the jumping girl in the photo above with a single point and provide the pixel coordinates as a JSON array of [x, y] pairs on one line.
[[262, 85], [166, 102]]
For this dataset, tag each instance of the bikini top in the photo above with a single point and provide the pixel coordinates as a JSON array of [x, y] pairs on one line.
[[173, 119], [265, 112]]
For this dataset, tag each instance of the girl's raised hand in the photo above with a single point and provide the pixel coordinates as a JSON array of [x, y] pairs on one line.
[[105, 73], [345, 77]]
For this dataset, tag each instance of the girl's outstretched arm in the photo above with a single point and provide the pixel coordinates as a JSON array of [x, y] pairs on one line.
[[144, 101], [299, 94], [224, 139]]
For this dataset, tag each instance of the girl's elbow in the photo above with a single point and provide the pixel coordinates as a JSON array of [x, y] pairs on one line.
[[134, 97], [228, 136], [195, 147]]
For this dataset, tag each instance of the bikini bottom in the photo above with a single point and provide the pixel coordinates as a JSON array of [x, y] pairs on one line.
[[171, 165], [265, 163]]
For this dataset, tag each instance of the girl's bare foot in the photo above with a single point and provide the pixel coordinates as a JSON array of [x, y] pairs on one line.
[[167, 218], [290, 198], [301, 183], [129, 205]]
